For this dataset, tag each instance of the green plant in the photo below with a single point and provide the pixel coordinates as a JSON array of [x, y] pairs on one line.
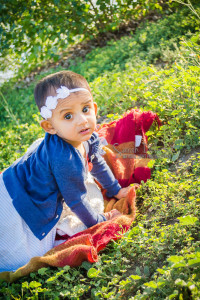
[[158, 258], [33, 32]]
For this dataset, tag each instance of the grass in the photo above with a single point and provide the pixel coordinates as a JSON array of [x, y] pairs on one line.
[[159, 258]]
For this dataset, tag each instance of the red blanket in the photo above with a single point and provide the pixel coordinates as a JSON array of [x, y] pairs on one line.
[[129, 165]]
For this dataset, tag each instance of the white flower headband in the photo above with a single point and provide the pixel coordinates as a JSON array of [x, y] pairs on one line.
[[52, 101]]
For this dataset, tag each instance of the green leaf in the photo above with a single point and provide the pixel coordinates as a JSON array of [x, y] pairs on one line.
[[42, 271], [125, 282], [66, 268], [161, 283], [175, 156], [187, 220], [174, 295], [151, 163], [86, 265], [135, 277], [179, 265], [194, 262], [93, 273], [175, 258], [161, 271], [53, 278], [110, 116], [138, 271], [34, 284], [146, 271], [180, 282], [25, 285], [151, 284]]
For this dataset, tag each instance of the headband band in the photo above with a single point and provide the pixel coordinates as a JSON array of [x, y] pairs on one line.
[[52, 101]]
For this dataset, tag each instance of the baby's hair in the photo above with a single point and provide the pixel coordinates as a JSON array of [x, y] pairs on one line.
[[51, 83]]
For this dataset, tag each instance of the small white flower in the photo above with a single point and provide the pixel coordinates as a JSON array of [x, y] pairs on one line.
[[51, 102], [62, 92], [45, 112]]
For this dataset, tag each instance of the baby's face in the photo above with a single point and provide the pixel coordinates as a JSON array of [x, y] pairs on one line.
[[74, 118]]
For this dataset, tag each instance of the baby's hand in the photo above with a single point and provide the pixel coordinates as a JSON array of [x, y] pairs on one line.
[[124, 191], [112, 214]]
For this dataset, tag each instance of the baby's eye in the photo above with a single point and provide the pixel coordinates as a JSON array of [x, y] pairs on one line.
[[68, 116], [86, 109]]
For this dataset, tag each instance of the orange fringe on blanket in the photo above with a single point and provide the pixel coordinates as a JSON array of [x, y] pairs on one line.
[[127, 168]]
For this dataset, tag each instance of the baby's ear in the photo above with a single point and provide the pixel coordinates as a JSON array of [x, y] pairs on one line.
[[47, 126], [95, 107]]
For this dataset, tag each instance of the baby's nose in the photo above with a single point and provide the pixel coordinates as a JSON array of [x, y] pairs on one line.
[[82, 119]]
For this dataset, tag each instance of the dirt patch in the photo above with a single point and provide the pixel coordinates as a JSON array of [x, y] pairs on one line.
[[186, 156]]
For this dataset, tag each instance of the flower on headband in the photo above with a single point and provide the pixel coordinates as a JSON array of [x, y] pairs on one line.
[[45, 112], [62, 92], [51, 102]]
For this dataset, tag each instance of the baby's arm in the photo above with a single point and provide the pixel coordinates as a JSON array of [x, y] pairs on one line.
[[101, 170], [69, 173], [104, 176], [74, 193]]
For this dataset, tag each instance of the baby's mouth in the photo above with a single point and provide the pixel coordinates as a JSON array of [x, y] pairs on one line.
[[85, 130]]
